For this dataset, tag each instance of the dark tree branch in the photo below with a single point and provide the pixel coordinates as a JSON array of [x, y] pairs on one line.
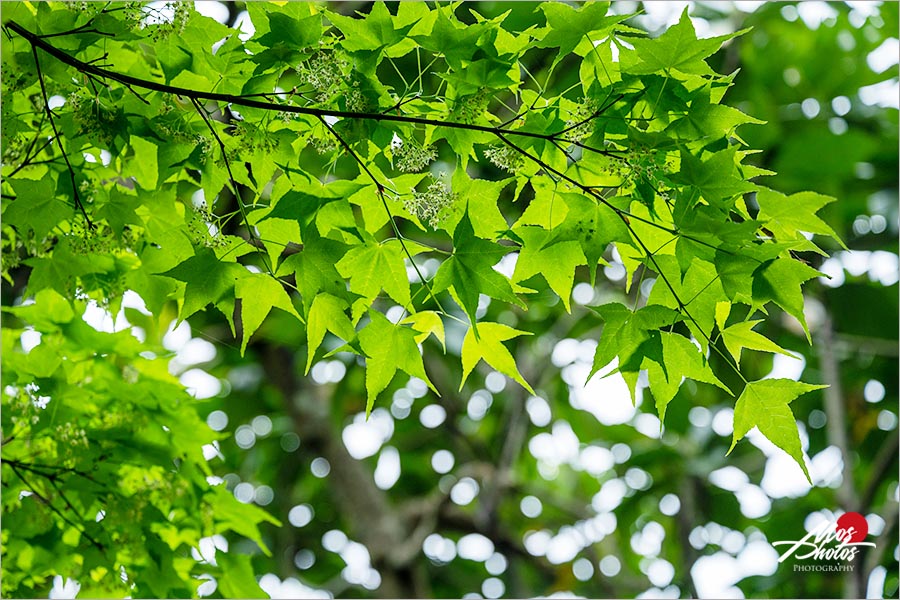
[[38, 42]]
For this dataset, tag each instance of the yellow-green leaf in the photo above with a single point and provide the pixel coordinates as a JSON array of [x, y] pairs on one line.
[[488, 347], [764, 404]]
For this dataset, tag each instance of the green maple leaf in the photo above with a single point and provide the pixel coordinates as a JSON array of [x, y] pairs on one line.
[[737, 269], [717, 178], [780, 281], [372, 267], [708, 120], [298, 206], [787, 216], [326, 313], [119, 210], [48, 309], [699, 289], [375, 32], [427, 322], [144, 165], [294, 33], [479, 198], [259, 294], [487, 345], [469, 272], [681, 359], [678, 48], [593, 225], [567, 26], [456, 41], [741, 335], [239, 517], [36, 207], [237, 579], [389, 347], [314, 268], [374, 214], [59, 270], [207, 280], [556, 263], [627, 335], [765, 404]]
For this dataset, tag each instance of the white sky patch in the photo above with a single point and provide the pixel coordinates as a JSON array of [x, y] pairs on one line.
[[475, 546], [748, 6], [610, 496], [558, 447], [884, 94], [785, 367], [432, 415], [200, 384], [364, 438], [69, 589], [465, 490], [663, 14], [438, 548], [213, 10], [387, 471], [607, 398], [244, 23], [507, 264], [55, 102], [715, 576], [883, 57], [176, 336], [99, 318], [30, 339], [826, 467], [538, 411], [288, 588], [815, 12]]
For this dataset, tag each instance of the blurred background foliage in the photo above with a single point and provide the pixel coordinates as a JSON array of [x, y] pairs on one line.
[[491, 493]]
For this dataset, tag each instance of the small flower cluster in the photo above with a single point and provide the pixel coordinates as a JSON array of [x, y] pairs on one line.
[[181, 14], [323, 143], [430, 205], [84, 241], [324, 72], [411, 157], [651, 166], [202, 230], [71, 436], [207, 147], [504, 157], [26, 404], [286, 117], [14, 148], [582, 121], [94, 119], [470, 109], [252, 138], [133, 14], [85, 7], [355, 100]]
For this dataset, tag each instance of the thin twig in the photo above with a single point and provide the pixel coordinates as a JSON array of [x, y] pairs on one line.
[[55, 510], [380, 190], [234, 186], [77, 197]]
